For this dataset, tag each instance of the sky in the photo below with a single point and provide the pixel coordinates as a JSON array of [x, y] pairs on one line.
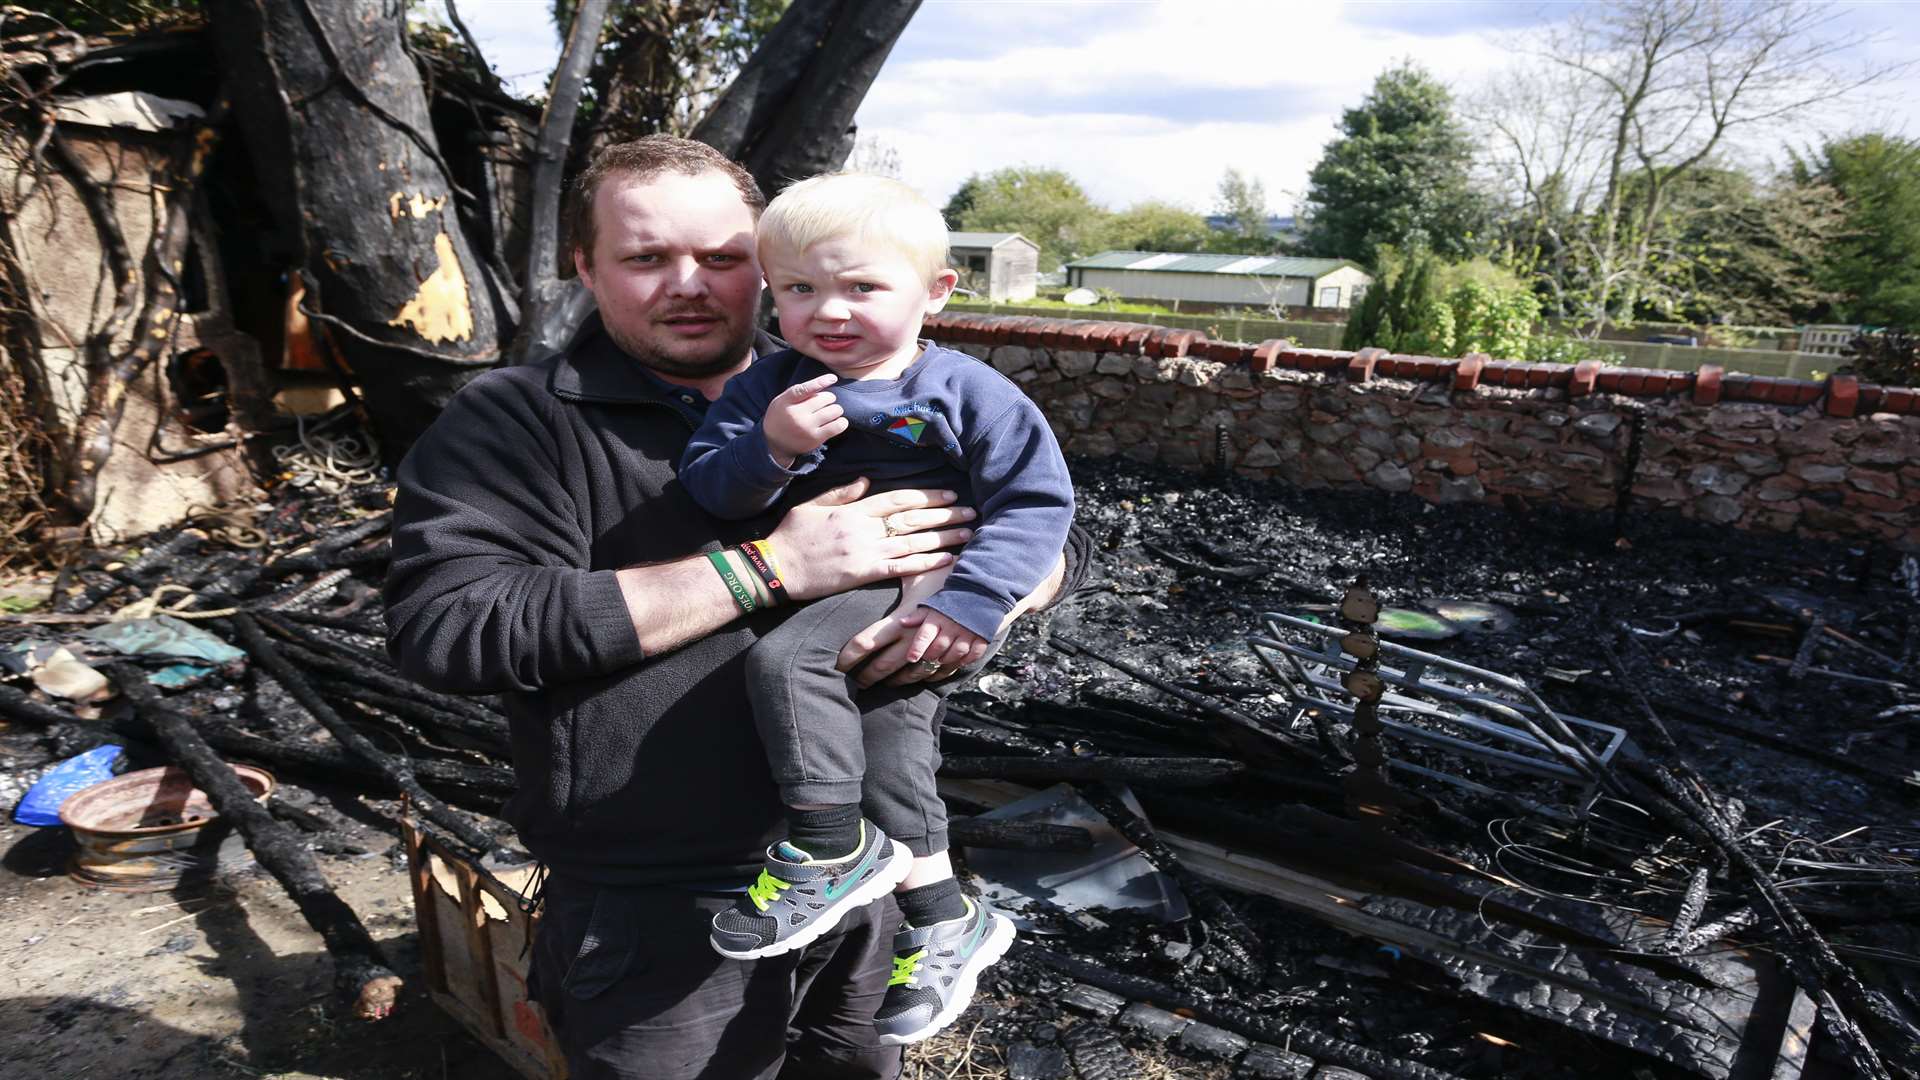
[[1155, 99]]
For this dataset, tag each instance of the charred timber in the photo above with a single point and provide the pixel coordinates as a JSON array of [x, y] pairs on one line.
[[491, 736], [1018, 835], [454, 780], [1163, 771], [397, 772], [325, 551], [1278, 742], [1812, 960], [161, 555], [1236, 1019], [1233, 940], [319, 662], [360, 971]]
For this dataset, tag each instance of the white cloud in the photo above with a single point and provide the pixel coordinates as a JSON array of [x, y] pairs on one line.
[[1155, 99], [1204, 86]]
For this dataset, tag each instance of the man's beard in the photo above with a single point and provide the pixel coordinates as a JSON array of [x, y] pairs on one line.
[[725, 357]]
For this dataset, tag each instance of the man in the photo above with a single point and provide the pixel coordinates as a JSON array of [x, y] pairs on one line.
[[543, 549]]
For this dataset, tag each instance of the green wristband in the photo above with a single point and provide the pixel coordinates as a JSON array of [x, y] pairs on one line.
[[741, 594]]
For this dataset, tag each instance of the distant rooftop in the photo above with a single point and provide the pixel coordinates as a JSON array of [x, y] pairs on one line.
[[982, 239], [1172, 262], [1276, 225]]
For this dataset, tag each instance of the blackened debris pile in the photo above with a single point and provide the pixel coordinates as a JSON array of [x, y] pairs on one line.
[[1726, 889]]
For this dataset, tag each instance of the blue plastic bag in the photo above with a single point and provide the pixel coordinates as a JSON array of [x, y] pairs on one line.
[[41, 804]]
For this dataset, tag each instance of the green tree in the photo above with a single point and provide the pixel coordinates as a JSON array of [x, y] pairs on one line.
[[1396, 175], [1626, 101], [1157, 226], [1242, 200], [1046, 206], [1422, 306], [1733, 248], [1873, 264]]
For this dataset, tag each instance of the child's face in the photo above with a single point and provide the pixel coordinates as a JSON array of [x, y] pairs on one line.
[[853, 306]]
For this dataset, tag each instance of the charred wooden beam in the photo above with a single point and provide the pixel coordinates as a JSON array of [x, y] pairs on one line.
[[1007, 835], [1692, 904], [326, 549], [492, 736], [161, 555], [1811, 959], [360, 674], [1245, 1022], [1164, 771], [1240, 950], [1280, 743], [360, 971], [326, 762], [397, 772]]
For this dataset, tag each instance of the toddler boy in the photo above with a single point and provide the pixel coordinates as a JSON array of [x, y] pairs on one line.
[[855, 264]]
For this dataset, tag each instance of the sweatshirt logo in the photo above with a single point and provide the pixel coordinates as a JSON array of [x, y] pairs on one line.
[[906, 422]]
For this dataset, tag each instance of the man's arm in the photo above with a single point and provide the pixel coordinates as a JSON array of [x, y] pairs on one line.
[[879, 652], [828, 544], [487, 591]]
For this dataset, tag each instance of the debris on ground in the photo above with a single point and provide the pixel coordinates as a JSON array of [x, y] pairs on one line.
[[1305, 784]]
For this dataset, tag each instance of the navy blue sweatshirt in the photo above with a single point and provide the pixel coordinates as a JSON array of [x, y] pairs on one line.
[[949, 421]]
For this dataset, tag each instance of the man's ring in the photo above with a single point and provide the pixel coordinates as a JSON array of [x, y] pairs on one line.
[[928, 666]]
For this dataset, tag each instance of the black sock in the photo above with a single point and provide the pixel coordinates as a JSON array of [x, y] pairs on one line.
[[933, 903], [832, 833]]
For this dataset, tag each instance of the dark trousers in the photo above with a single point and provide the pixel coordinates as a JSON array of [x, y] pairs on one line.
[[829, 742], [634, 991]]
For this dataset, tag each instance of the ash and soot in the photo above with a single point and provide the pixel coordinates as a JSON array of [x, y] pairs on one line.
[[1496, 793]]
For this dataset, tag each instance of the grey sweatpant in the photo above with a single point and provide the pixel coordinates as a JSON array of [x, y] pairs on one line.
[[831, 743]]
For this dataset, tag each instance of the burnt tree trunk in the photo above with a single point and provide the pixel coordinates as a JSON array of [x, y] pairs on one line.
[[335, 116], [789, 113]]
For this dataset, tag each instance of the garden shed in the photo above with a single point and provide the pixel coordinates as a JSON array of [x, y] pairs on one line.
[[1001, 266], [1268, 281]]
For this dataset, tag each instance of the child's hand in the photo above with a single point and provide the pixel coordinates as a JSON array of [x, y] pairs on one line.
[[802, 419], [945, 642]]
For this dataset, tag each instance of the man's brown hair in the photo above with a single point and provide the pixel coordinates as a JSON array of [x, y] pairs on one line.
[[643, 159]]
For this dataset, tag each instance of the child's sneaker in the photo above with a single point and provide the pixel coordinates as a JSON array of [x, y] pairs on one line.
[[798, 898], [935, 969]]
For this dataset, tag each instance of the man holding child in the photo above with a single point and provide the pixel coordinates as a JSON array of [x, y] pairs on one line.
[[546, 549]]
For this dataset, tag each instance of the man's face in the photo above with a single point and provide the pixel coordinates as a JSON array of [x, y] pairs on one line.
[[673, 271]]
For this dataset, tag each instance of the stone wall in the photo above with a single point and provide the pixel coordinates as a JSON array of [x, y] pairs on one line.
[[1836, 458]]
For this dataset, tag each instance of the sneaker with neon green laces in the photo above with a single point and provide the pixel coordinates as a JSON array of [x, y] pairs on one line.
[[797, 897], [935, 970]]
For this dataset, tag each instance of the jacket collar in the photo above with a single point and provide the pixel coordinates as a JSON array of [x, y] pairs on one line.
[[593, 368]]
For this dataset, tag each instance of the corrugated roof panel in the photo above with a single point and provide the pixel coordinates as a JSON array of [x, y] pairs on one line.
[[1259, 265], [1153, 262], [979, 239], [1249, 265]]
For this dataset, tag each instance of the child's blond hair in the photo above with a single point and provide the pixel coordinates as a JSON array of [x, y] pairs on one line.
[[872, 209]]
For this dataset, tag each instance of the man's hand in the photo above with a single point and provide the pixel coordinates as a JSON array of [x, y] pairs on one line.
[[837, 539], [879, 653], [802, 418]]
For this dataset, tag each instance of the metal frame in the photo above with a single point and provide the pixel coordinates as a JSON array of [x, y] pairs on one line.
[[1523, 742]]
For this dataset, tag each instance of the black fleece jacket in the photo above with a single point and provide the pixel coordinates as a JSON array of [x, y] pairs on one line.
[[514, 510]]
